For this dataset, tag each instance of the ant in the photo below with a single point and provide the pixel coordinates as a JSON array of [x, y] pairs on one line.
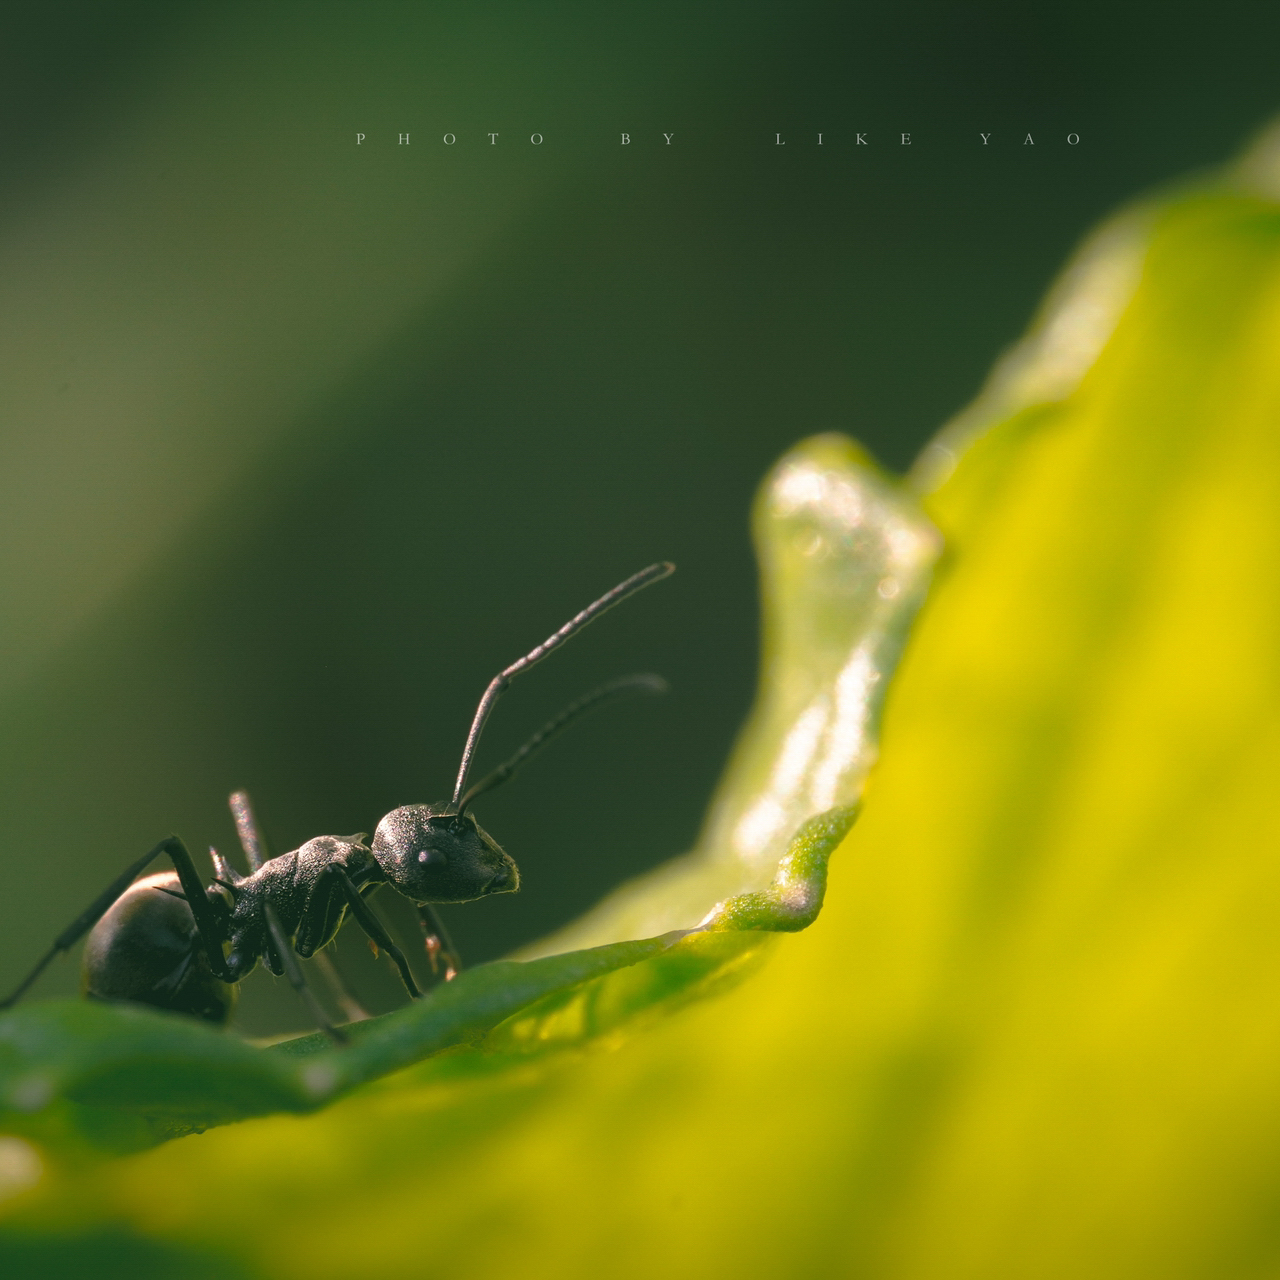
[[170, 942]]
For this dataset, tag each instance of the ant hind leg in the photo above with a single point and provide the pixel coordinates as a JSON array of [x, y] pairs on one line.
[[83, 922], [208, 924], [96, 910]]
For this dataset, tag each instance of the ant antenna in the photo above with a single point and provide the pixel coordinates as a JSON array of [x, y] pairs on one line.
[[614, 689], [637, 581]]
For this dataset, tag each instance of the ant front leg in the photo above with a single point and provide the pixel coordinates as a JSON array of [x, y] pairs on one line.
[[375, 929]]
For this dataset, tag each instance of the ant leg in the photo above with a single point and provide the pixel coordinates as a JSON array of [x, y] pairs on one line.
[[374, 927], [354, 1010], [293, 971], [251, 841], [256, 853], [86, 920], [208, 925], [436, 936]]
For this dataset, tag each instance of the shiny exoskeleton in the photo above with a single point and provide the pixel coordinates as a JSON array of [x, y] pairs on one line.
[[146, 949], [159, 945], [425, 855], [174, 943]]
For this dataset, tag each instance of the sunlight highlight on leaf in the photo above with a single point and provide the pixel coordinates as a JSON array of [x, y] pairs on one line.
[[845, 557]]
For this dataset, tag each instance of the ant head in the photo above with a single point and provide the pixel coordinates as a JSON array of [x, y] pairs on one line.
[[431, 854]]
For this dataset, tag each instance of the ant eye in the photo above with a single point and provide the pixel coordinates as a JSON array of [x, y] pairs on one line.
[[422, 857]]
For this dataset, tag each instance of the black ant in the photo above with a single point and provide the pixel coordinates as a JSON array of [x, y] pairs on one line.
[[170, 942]]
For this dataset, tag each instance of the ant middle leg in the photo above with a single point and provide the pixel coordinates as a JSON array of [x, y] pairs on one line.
[[293, 971], [351, 1007], [257, 852]]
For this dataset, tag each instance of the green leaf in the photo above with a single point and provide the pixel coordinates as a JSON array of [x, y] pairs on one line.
[[180, 1075], [177, 1075]]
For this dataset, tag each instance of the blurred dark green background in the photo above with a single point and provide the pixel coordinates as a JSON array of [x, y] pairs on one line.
[[300, 442]]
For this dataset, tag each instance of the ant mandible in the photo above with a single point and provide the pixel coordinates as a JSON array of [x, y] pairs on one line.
[[170, 942]]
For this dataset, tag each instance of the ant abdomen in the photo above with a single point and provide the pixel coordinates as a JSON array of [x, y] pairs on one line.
[[145, 949]]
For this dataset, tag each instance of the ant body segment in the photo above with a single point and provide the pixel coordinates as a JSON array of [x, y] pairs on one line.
[[169, 941]]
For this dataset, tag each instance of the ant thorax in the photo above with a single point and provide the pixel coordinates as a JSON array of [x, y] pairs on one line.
[[306, 888]]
